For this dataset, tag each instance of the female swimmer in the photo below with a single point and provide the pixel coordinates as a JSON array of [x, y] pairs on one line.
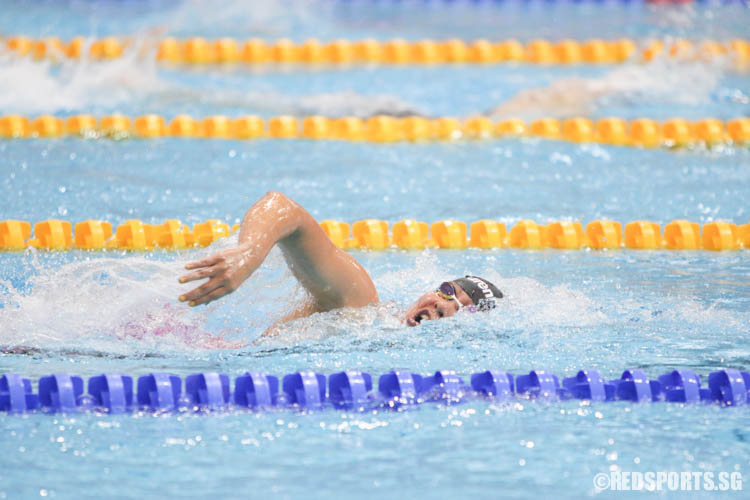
[[333, 278]]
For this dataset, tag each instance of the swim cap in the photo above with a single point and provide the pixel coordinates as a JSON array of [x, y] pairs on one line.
[[481, 292]]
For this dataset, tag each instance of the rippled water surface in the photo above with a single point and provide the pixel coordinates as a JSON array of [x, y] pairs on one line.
[[88, 313]]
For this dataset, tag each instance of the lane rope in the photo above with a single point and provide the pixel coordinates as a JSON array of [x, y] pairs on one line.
[[353, 390], [641, 132], [254, 51], [373, 234]]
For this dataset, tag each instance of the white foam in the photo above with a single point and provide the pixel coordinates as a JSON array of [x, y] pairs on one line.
[[127, 305], [528, 306], [32, 87], [35, 87], [664, 81]]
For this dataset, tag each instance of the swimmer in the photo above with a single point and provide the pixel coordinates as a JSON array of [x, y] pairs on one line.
[[333, 278]]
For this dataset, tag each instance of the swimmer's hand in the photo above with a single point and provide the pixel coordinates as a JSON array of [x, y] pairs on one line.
[[225, 271], [332, 277]]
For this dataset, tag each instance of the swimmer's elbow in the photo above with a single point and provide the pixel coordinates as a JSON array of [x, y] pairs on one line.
[[288, 215], [282, 201], [275, 194], [280, 197]]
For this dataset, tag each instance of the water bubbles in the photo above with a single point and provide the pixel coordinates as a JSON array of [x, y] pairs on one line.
[[596, 151], [560, 158]]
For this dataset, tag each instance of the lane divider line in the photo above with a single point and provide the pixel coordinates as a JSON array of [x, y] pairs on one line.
[[255, 51], [641, 132], [373, 234], [353, 390]]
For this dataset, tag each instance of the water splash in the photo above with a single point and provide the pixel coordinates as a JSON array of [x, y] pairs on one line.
[[663, 82], [126, 306], [35, 87], [29, 86], [94, 304], [528, 306]]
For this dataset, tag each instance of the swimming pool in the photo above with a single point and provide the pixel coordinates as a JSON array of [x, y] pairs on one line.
[[88, 313]]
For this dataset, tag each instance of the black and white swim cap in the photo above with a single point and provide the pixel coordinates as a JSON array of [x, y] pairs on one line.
[[481, 292]]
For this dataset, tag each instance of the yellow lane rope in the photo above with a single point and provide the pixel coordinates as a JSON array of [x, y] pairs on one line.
[[385, 129], [373, 234], [197, 50]]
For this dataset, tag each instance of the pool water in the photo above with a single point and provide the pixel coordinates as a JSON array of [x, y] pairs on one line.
[[93, 312]]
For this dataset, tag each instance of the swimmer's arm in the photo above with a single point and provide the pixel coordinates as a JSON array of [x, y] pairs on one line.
[[332, 277]]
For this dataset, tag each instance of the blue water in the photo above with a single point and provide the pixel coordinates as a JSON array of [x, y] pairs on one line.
[[88, 313], [195, 180]]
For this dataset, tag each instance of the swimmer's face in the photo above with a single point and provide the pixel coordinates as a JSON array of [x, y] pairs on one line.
[[432, 306]]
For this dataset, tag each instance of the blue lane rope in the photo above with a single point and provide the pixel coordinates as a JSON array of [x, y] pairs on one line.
[[353, 390]]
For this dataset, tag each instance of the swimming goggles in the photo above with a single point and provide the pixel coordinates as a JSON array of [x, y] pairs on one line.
[[448, 292]]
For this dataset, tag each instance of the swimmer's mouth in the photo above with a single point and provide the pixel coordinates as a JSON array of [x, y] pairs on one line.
[[417, 318]]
